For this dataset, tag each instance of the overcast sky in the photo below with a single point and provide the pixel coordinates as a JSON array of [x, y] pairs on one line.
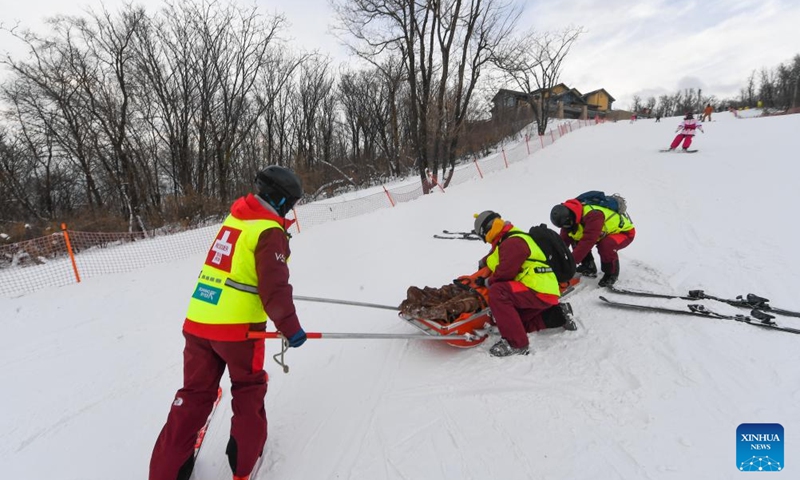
[[631, 47]]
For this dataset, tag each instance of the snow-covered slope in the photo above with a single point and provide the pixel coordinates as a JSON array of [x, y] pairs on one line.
[[89, 370]]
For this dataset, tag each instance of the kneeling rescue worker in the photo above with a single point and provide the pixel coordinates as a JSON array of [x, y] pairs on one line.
[[523, 291]]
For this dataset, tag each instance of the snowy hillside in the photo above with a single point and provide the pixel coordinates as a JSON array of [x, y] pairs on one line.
[[89, 370]]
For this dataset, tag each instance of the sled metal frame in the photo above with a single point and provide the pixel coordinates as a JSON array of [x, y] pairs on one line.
[[476, 325]]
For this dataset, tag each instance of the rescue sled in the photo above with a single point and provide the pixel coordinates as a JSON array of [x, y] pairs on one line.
[[474, 322], [465, 328]]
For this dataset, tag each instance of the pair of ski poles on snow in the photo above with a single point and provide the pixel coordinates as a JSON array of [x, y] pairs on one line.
[[349, 336]]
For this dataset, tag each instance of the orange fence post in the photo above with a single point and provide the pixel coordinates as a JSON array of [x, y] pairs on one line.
[[391, 200], [432, 178], [437, 184], [541, 138], [504, 156], [296, 220], [71, 253], [478, 167], [526, 144]]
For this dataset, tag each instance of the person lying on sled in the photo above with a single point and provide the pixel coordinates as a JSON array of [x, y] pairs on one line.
[[522, 298], [447, 303]]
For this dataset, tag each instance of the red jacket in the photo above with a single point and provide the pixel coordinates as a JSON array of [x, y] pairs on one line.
[[592, 231], [271, 253]]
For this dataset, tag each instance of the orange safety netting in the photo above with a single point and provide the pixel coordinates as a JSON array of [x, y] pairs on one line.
[[48, 261]]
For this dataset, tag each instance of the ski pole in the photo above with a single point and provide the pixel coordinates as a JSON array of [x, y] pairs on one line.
[[370, 336], [344, 302]]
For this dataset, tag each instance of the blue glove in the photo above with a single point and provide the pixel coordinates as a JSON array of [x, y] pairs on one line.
[[297, 339]]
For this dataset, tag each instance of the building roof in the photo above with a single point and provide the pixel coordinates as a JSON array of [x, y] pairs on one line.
[[508, 93], [585, 95], [581, 98]]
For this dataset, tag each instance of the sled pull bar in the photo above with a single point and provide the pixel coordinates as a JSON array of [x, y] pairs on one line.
[[371, 336], [344, 302]]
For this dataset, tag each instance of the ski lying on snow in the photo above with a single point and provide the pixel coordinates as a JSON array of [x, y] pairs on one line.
[[756, 317], [750, 301], [448, 235], [678, 151]]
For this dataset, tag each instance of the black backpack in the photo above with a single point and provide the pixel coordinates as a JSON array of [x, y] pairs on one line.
[[558, 255]]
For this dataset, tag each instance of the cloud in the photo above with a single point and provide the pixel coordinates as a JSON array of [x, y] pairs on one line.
[[691, 82], [657, 45]]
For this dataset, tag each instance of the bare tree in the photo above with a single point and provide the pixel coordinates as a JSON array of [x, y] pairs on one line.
[[443, 44], [48, 101], [637, 104], [18, 175], [169, 94], [105, 85], [650, 105], [372, 104], [273, 96], [315, 87], [534, 63], [232, 53], [749, 91], [766, 87]]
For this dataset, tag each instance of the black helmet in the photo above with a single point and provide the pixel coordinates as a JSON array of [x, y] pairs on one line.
[[279, 187], [562, 217], [689, 115]]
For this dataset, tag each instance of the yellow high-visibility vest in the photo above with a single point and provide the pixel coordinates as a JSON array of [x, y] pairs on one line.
[[614, 222], [227, 289], [535, 273]]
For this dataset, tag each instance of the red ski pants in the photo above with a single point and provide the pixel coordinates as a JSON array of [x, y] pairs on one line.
[[517, 310], [611, 244], [687, 141], [204, 362]]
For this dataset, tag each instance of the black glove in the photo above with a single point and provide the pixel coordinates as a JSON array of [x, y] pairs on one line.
[[297, 339], [482, 282]]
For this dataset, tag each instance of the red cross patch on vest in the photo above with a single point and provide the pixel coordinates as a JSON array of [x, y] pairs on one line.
[[220, 255]]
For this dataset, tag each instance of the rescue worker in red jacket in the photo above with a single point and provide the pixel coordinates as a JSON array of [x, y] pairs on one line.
[[243, 282], [523, 290], [584, 226]]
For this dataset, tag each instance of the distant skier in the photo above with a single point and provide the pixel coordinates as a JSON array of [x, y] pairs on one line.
[[686, 131], [707, 113]]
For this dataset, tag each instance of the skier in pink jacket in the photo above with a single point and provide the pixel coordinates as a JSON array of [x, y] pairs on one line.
[[686, 131]]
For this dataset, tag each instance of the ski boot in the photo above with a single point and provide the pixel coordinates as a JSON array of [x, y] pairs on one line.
[[503, 349], [587, 268], [559, 316], [569, 321], [611, 273]]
